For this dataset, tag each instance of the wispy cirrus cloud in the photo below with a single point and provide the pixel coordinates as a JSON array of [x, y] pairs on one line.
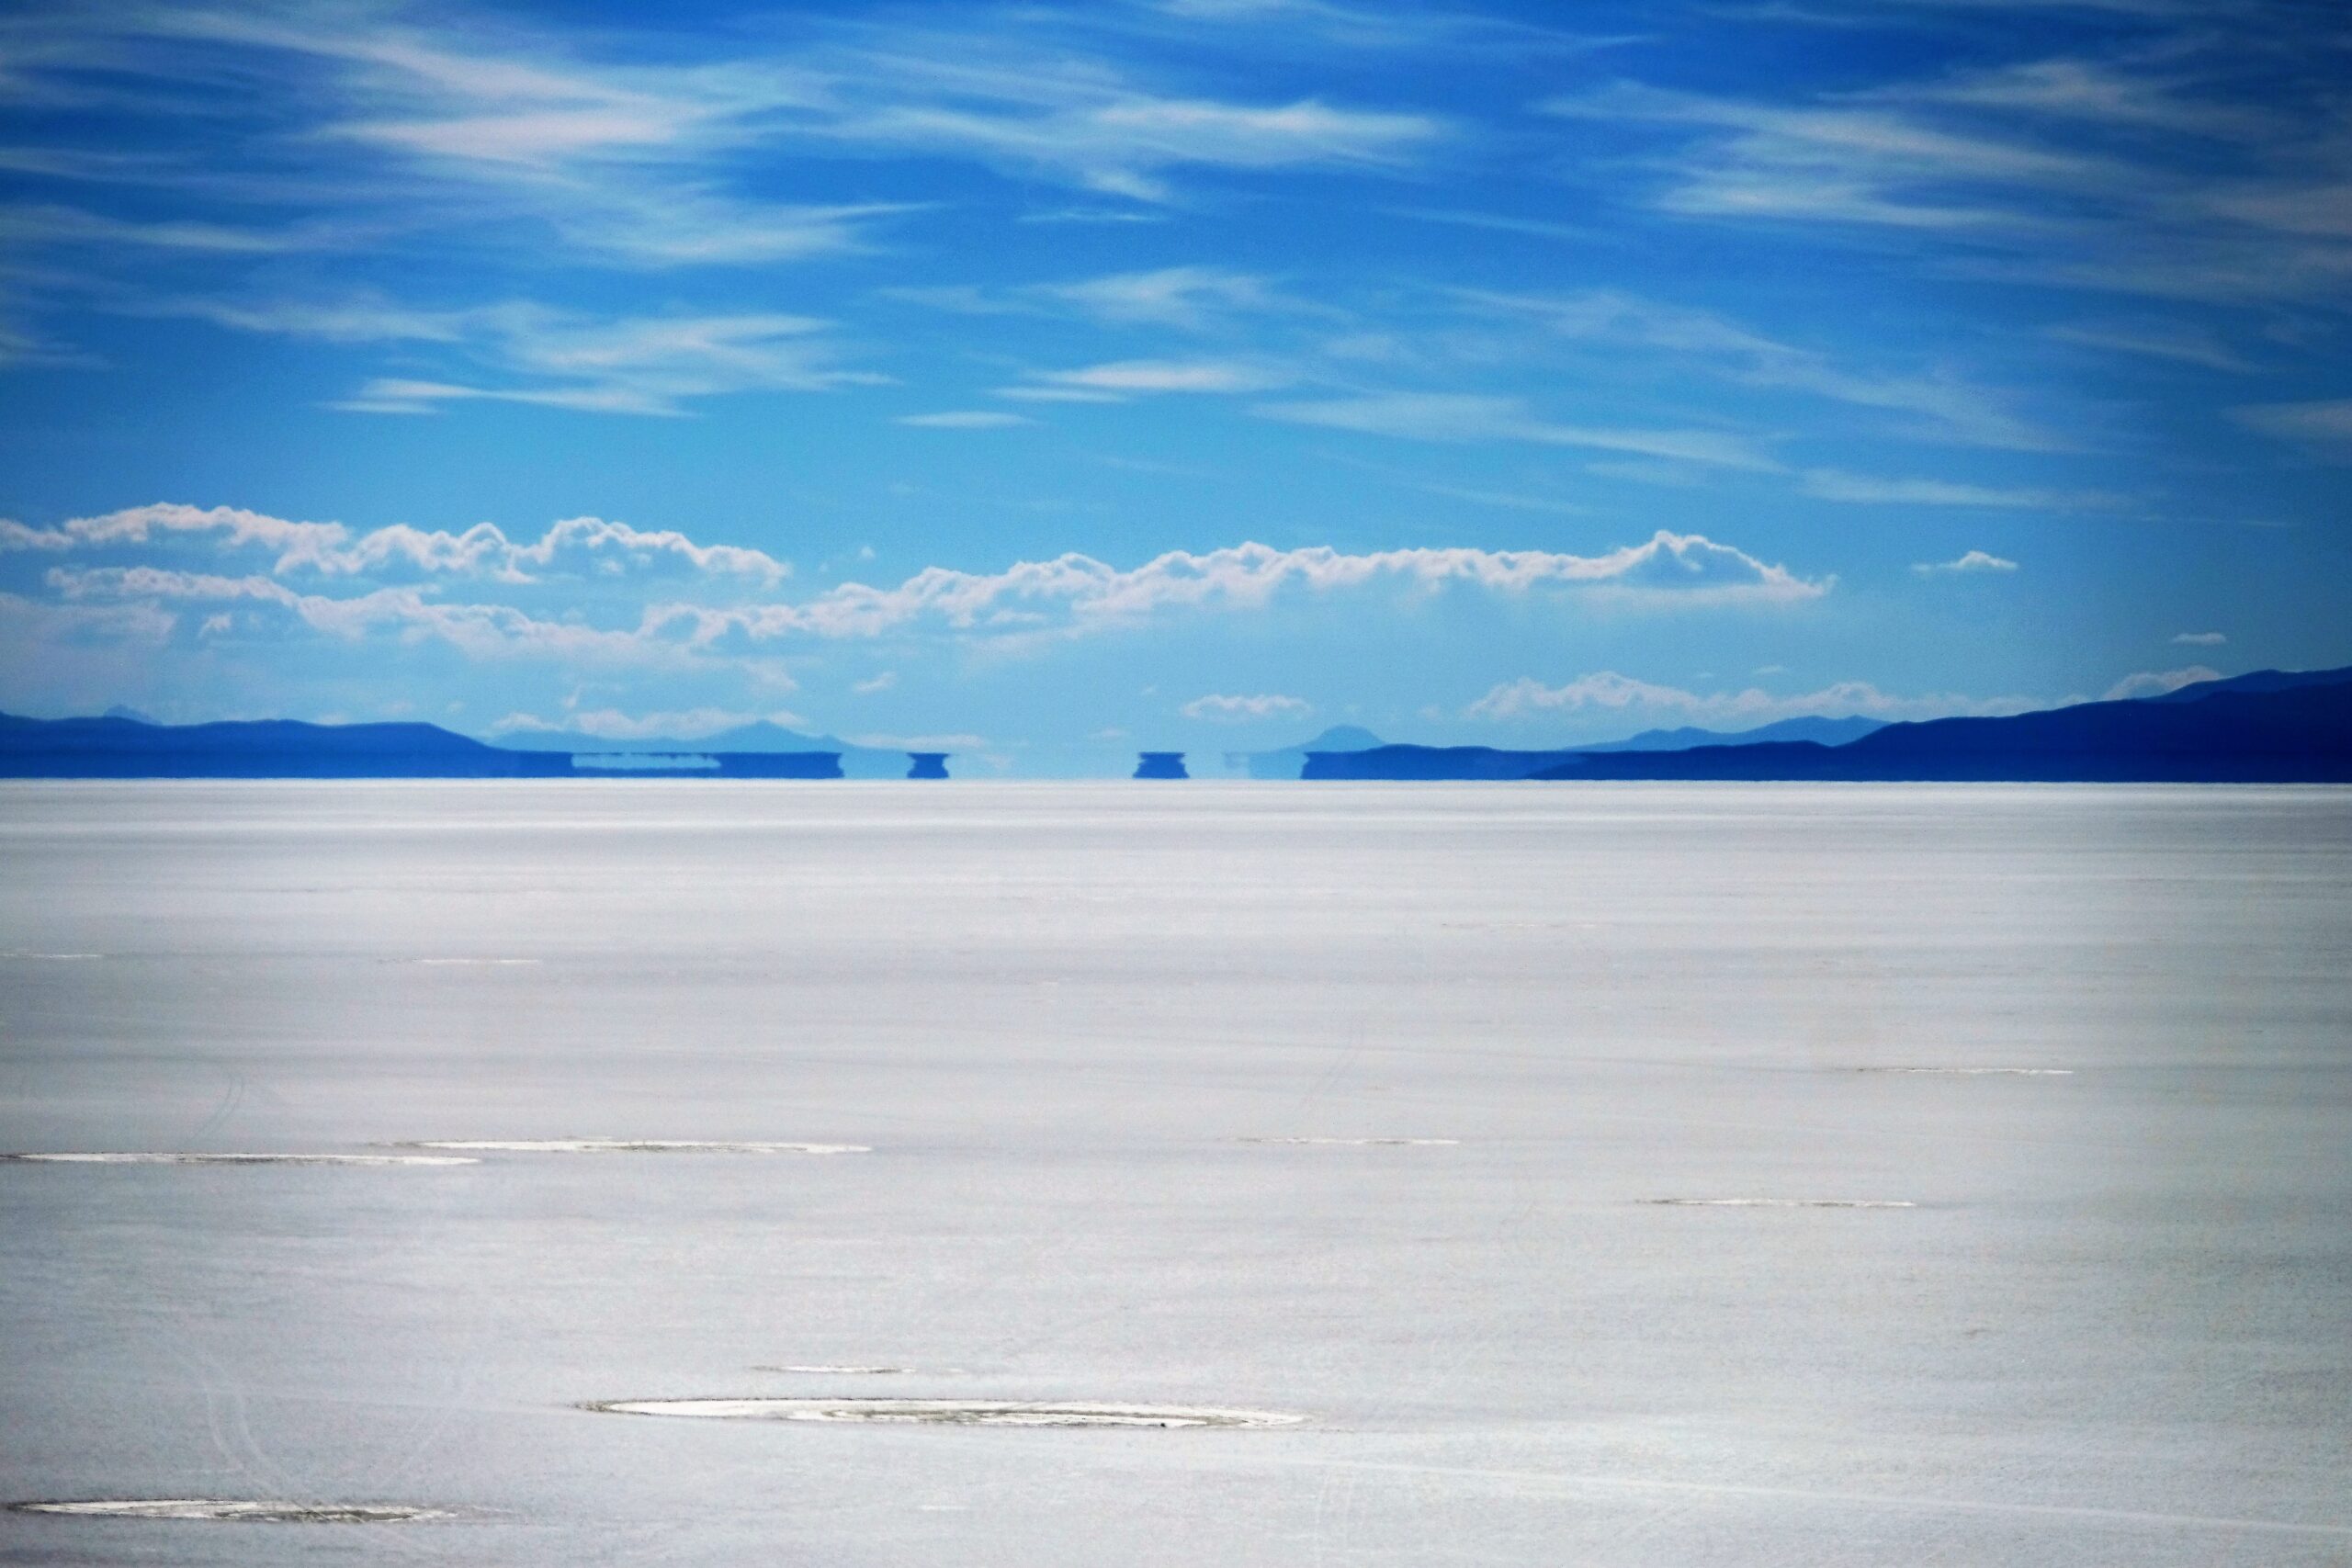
[[1421, 29], [1124, 377], [656, 365], [2094, 91], [625, 161], [963, 419], [1868, 165], [1938, 405], [522, 351], [398, 132], [2138, 174], [1476, 417], [1189, 298], [54, 226], [2180, 342], [2324, 429], [873, 87], [1090, 127]]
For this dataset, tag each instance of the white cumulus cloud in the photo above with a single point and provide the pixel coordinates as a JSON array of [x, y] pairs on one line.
[[576, 546], [1974, 560], [2156, 682], [718, 601], [1236, 709]]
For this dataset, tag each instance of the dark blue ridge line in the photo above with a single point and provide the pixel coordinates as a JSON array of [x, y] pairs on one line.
[[2269, 727]]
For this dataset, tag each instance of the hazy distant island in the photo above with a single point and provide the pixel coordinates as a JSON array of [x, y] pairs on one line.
[[761, 739], [1290, 762], [122, 747], [2270, 726]]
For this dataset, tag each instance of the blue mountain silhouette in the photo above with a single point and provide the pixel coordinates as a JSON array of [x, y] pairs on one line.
[[1829, 731], [2271, 728]]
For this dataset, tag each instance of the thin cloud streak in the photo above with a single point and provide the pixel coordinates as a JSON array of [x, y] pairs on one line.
[[1608, 692], [1944, 407], [1865, 489]]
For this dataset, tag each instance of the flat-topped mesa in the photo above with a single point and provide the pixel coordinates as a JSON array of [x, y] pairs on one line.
[[714, 765], [1160, 765], [927, 764], [1428, 764]]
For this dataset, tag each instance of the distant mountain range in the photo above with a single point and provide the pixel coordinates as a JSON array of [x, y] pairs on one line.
[[132, 748], [2272, 727]]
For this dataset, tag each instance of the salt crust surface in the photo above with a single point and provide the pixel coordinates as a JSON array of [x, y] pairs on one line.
[[633, 1146], [145, 1156], [1783, 1203], [239, 1510]]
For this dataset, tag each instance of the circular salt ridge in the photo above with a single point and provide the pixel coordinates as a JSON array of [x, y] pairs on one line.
[[1976, 1072], [632, 1147], [1783, 1203], [1363, 1142], [951, 1412], [238, 1510], [160, 1157]]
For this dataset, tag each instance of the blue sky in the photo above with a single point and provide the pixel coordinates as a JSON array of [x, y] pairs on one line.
[[1050, 381]]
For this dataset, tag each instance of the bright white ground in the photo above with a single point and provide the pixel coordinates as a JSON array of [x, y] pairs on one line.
[[2115, 1328]]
